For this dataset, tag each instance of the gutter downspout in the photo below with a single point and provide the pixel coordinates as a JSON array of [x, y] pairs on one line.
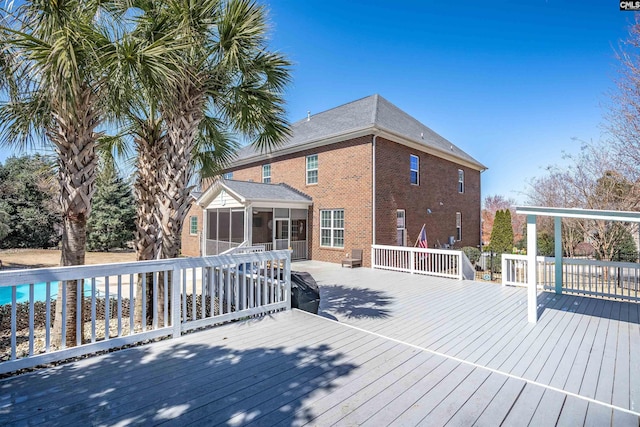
[[373, 196]]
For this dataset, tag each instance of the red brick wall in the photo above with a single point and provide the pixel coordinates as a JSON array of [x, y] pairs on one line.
[[191, 243], [344, 182], [438, 191]]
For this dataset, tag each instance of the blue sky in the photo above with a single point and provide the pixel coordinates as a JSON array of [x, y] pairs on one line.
[[512, 83]]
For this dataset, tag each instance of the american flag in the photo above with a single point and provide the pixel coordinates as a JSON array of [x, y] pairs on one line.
[[422, 241]]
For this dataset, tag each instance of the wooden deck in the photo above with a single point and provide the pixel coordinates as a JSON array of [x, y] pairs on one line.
[[405, 350]]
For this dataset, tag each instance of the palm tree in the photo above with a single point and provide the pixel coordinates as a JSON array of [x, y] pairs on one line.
[[218, 81], [233, 77], [54, 57]]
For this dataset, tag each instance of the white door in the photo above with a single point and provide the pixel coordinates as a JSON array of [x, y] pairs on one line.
[[282, 234]]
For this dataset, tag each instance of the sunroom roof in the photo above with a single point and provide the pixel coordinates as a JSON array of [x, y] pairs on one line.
[[247, 192]]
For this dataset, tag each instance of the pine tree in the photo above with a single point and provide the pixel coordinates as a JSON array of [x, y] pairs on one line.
[[502, 233], [28, 216], [112, 220]]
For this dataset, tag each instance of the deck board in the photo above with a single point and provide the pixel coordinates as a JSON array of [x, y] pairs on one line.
[[399, 349]]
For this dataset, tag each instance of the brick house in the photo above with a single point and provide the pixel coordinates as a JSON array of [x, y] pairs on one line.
[[361, 173]]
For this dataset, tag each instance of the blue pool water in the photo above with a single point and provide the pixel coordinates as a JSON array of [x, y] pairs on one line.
[[39, 292]]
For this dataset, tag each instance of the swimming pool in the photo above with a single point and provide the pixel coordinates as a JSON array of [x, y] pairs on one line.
[[39, 292]]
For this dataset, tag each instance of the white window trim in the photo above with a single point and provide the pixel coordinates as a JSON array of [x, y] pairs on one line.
[[404, 219], [417, 171], [404, 225], [331, 228], [460, 181], [458, 226], [264, 176], [307, 170], [191, 233]]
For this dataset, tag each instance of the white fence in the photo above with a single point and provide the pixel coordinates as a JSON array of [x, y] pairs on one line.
[[298, 248], [514, 270], [217, 247], [132, 302], [618, 280], [433, 262]]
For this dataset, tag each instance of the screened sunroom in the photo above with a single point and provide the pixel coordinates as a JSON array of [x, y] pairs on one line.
[[271, 215]]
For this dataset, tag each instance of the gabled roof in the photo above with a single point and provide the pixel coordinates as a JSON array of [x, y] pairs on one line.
[[248, 192], [370, 115]]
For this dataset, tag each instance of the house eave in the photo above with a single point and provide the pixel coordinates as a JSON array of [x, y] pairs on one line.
[[206, 198], [332, 139], [421, 146], [357, 133]]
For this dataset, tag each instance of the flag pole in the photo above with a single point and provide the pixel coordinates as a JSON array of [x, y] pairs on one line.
[[419, 234]]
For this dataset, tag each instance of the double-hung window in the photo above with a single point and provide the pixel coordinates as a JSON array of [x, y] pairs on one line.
[[415, 169], [332, 228], [193, 225], [458, 226], [460, 181], [312, 169], [266, 174]]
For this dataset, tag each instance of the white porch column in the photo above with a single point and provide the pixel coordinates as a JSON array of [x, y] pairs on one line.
[[248, 224], [203, 238], [558, 250], [532, 254]]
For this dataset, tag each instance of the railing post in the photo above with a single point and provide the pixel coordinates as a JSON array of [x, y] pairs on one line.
[[505, 272], [287, 275], [176, 287], [373, 256], [459, 266], [558, 254], [532, 291], [412, 260]]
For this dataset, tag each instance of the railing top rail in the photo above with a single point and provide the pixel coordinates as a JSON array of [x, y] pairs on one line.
[[525, 257], [575, 261], [421, 250], [55, 274]]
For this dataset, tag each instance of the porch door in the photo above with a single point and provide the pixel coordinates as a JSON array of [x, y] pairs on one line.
[[401, 228], [282, 234]]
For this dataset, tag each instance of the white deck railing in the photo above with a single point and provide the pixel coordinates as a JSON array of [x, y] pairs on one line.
[[433, 262], [218, 247], [209, 291], [618, 280], [514, 270], [298, 248]]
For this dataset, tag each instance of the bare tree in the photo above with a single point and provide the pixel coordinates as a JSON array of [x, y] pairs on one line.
[[623, 117], [591, 180]]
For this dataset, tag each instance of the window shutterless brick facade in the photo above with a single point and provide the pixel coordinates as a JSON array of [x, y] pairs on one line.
[[437, 193], [191, 242], [329, 157], [343, 182]]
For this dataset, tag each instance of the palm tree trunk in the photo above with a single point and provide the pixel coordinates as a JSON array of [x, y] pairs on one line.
[[177, 172], [73, 252], [74, 139], [151, 152]]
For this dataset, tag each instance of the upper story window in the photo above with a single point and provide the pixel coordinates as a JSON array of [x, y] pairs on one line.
[[266, 174], [415, 169], [228, 175], [312, 169], [460, 181], [458, 226], [332, 228], [193, 225]]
